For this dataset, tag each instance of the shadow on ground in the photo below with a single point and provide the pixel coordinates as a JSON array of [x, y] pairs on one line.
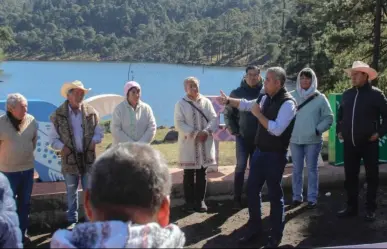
[[326, 229], [206, 225], [222, 226], [231, 240]]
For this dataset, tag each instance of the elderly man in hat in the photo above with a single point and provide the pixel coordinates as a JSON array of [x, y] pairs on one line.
[[75, 132], [361, 121]]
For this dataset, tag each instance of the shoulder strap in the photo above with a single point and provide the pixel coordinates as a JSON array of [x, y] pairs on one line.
[[200, 111], [307, 101]]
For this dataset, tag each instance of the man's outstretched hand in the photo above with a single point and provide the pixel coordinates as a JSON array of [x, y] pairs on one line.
[[222, 99]]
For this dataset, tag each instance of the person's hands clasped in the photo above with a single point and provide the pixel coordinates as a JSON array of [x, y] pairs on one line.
[[65, 151], [202, 136]]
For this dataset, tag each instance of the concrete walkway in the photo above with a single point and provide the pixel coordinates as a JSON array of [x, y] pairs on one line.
[[49, 199]]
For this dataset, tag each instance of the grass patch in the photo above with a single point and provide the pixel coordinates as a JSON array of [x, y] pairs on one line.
[[226, 149]]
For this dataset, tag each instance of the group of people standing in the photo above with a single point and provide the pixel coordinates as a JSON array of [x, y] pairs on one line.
[[265, 118], [297, 120], [280, 118]]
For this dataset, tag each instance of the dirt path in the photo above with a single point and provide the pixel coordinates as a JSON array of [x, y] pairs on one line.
[[222, 226]]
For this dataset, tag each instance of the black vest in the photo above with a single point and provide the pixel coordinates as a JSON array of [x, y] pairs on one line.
[[264, 140]]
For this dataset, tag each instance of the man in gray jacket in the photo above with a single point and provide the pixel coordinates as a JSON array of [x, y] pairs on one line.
[[243, 125]]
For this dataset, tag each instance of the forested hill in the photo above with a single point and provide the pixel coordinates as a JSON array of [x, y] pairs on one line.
[[223, 32], [326, 35]]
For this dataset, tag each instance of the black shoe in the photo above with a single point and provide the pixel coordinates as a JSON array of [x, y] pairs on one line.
[[296, 203], [370, 215], [202, 207], [237, 205], [347, 212], [26, 240], [248, 238], [312, 205], [189, 208], [272, 243]]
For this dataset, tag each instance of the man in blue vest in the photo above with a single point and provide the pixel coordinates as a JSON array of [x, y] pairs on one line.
[[275, 113]]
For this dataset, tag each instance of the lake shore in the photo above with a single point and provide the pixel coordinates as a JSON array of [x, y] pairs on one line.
[[84, 57]]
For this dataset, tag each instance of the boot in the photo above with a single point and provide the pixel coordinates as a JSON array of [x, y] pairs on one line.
[[239, 178], [200, 189], [349, 211], [189, 190]]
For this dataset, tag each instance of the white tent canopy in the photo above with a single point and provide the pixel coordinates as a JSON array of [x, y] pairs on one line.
[[104, 104]]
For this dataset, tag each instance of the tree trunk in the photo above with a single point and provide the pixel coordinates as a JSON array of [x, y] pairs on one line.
[[310, 51], [376, 53], [283, 16]]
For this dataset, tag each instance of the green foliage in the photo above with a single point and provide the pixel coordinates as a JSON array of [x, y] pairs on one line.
[[324, 35], [223, 32], [328, 36]]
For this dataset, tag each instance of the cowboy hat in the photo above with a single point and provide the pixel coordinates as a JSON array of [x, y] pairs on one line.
[[72, 85], [362, 67]]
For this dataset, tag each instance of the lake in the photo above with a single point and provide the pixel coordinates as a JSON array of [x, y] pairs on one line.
[[162, 84]]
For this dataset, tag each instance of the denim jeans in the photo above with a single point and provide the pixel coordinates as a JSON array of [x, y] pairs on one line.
[[21, 184], [243, 153], [72, 183], [310, 154], [266, 167]]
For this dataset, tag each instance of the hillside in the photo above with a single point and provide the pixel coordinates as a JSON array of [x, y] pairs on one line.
[[221, 32], [324, 35]]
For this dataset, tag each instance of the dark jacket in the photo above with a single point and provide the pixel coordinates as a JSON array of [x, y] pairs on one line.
[[10, 234], [243, 123], [264, 140], [362, 112]]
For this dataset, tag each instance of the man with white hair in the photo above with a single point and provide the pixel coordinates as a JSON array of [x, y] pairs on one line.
[[75, 133], [18, 137], [275, 113]]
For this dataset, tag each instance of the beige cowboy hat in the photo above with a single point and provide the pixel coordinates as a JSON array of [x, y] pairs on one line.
[[72, 85], [362, 67]]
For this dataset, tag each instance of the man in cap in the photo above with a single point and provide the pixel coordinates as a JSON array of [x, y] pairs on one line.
[[75, 133], [361, 121]]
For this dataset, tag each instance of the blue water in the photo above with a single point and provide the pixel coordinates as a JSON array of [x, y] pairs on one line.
[[162, 84]]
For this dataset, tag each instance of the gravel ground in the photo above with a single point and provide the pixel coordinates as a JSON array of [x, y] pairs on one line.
[[222, 226]]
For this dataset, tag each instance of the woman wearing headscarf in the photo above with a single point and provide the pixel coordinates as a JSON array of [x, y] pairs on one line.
[[133, 120], [314, 117]]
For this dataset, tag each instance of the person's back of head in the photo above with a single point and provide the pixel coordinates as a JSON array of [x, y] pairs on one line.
[[10, 234], [128, 190], [129, 182]]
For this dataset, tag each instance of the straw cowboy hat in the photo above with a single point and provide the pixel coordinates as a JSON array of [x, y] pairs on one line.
[[362, 67], [72, 85]]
